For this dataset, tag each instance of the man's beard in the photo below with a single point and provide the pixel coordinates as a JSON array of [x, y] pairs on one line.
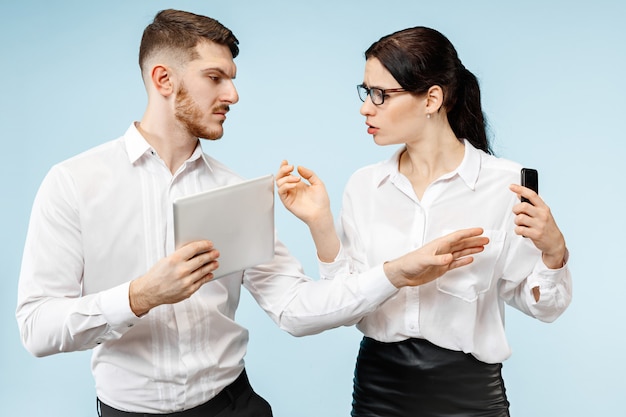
[[189, 114]]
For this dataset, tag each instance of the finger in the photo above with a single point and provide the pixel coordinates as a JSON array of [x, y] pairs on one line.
[[284, 170], [457, 263], [470, 242], [206, 272], [525, 231], [192, 249], [464, 234], [205, 259], [530, 225], [193, 266], [287, 192], [526, 193], [206, 278], [286, 180], [468, 251], [198, 282], [308, 175]]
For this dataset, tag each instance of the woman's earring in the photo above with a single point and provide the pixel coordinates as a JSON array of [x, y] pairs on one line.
[[428, 115]]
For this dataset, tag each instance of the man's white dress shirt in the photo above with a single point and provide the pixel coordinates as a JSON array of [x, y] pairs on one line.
[[382, 219], [104, 218]]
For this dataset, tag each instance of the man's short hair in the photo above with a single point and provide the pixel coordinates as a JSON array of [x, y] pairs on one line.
[[178, 32]]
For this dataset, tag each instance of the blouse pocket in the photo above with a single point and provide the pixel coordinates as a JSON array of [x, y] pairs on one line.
[[468, 282]]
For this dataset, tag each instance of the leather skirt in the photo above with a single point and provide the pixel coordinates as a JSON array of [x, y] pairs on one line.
[[418, 379]]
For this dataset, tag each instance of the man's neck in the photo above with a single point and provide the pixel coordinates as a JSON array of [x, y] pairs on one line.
[[173, 146]]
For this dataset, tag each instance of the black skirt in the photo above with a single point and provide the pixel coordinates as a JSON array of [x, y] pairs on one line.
[[418, 379]]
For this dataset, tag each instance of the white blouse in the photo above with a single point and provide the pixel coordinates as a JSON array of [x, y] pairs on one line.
[[382, 219]]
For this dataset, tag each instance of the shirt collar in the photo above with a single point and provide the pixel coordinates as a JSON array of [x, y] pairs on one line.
[[468, 169], [137, 146], [388, 170], [470, 165]]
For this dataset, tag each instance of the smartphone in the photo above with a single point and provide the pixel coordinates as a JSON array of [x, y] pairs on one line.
[[530, 179]]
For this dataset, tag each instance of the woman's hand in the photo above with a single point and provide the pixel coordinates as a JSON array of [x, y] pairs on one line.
[[310, 203], [436, 258], [534, 220]]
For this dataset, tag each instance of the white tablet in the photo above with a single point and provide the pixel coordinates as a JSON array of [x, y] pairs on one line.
[[238, 219]]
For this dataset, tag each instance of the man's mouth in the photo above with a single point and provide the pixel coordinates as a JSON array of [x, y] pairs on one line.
[[221, 111]]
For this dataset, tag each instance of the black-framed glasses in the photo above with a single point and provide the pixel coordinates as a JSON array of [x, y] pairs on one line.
[[376, 94]]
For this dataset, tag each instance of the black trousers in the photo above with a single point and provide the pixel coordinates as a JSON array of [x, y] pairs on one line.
[[236, 400], [418, 379]]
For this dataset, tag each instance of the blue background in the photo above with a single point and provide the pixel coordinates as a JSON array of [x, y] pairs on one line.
[[552, 77]]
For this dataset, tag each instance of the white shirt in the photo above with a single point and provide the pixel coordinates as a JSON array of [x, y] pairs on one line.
[[102, 219], [382, 218]]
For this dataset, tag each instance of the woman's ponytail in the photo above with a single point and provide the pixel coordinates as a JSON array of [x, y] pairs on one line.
[[466, 117]]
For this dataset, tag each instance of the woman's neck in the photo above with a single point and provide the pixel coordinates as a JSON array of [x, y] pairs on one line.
[[424, 161]]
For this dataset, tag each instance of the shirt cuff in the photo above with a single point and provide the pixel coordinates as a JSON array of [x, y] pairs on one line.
[[375, 285], [545, 274], [115, 306], [329, 270]]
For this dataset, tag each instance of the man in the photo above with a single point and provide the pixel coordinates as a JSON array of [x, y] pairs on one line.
[[100, 270]]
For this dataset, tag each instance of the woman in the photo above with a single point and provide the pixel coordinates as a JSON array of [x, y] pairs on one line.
[[435, 349]]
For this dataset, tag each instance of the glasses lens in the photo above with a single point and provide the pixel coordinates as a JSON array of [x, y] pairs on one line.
[[362, 92], [377, 95]]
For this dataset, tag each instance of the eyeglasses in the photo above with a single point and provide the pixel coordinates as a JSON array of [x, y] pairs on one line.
[[376, 94]]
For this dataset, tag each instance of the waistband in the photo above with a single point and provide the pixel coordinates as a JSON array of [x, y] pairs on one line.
[[211, 408]]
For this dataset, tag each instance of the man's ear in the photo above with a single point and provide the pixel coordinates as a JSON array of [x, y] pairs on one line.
[[161, 78], [434, 99]]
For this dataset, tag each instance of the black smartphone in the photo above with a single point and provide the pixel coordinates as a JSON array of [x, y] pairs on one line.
[[530, 179]]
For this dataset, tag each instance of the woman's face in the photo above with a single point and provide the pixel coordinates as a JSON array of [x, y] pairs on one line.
[[400, 119]]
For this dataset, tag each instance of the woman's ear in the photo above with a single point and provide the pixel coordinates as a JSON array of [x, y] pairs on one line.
[[434, 99], [161, 78]]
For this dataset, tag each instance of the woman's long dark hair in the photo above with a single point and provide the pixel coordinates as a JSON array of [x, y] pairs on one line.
[[419, 58]]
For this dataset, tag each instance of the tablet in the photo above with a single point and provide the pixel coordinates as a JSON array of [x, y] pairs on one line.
[[237, 218]]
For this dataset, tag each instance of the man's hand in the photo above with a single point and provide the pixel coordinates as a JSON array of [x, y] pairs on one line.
[[436, 258], [174, 278]]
